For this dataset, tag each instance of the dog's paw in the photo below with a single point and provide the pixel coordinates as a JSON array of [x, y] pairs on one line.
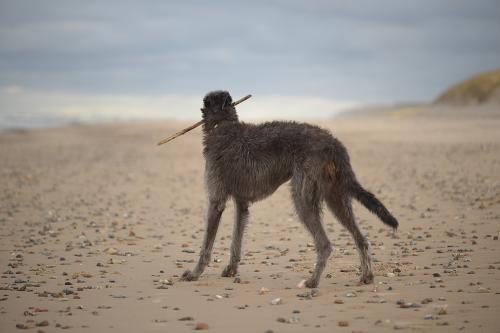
[[311, 283], [229, 271], [188, 276], [366, 279]]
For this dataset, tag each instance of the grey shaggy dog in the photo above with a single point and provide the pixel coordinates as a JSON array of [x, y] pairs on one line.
[[249, 162]]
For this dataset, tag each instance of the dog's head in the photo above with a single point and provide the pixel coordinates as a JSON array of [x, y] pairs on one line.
[[217, 107]]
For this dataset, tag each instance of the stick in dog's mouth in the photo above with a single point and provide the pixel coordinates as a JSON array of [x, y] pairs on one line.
[[187, 129]]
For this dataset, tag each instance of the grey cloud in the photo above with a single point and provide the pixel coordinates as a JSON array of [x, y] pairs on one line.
[[355, 50]]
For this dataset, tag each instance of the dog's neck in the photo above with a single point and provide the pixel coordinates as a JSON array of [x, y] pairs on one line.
[[214, 120]]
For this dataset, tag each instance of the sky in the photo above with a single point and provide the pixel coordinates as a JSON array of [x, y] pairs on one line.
[[85, 60]]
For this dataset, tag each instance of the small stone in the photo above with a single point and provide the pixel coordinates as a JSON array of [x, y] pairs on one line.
[[443, 323], [343, 323], [305, 295], [166, 282], [22, 326], [111, 251], [42, 323], [68, 291], [201, 326], [400, 326], [427, 300], [301, 284], [441, 309], [276, 301], [187, 318], [338, 301], [263, 291], [281, 320]]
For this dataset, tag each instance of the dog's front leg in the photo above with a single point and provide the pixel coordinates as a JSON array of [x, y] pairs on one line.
[[238, 229], [215, 209]]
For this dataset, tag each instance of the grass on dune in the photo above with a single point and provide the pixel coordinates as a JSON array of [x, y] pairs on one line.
[[478, 89]]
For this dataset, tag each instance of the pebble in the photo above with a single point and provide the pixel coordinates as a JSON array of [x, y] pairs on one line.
[[201, 326], [441, 309], [406, 305], [166, 282], [343, 323], [263, 291], [111, 251], [275, 301], [426, 300], [401, 326], [301, 284]]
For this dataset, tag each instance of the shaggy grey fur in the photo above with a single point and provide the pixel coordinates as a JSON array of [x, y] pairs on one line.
[[249, 162]]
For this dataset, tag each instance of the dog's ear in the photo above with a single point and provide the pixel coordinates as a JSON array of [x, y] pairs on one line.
[[217, 100]]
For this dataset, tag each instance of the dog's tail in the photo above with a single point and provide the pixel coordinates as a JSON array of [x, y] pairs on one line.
[[373, 204]]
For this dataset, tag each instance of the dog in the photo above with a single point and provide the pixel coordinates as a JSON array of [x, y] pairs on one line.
[[248, 162]]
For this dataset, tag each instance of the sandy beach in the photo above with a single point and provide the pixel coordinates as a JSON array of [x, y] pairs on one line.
[[97, 224]]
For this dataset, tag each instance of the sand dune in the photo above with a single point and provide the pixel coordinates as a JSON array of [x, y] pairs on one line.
[[97, 224], [483, 88]]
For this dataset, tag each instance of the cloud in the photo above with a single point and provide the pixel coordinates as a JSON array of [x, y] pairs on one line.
[[10, 90], [365, 51]]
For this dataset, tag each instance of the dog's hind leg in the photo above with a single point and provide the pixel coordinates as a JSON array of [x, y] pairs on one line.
[[215, 209], [341, 206], [238, 230], [307, 199]]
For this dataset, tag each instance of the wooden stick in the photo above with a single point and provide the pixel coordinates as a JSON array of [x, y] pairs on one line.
[[241, 100], [187, 129]]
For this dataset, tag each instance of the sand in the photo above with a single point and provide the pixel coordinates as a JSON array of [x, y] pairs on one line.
[[97, 224]]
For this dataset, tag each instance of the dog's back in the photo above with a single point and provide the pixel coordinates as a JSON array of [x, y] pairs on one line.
[[252, 161]]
